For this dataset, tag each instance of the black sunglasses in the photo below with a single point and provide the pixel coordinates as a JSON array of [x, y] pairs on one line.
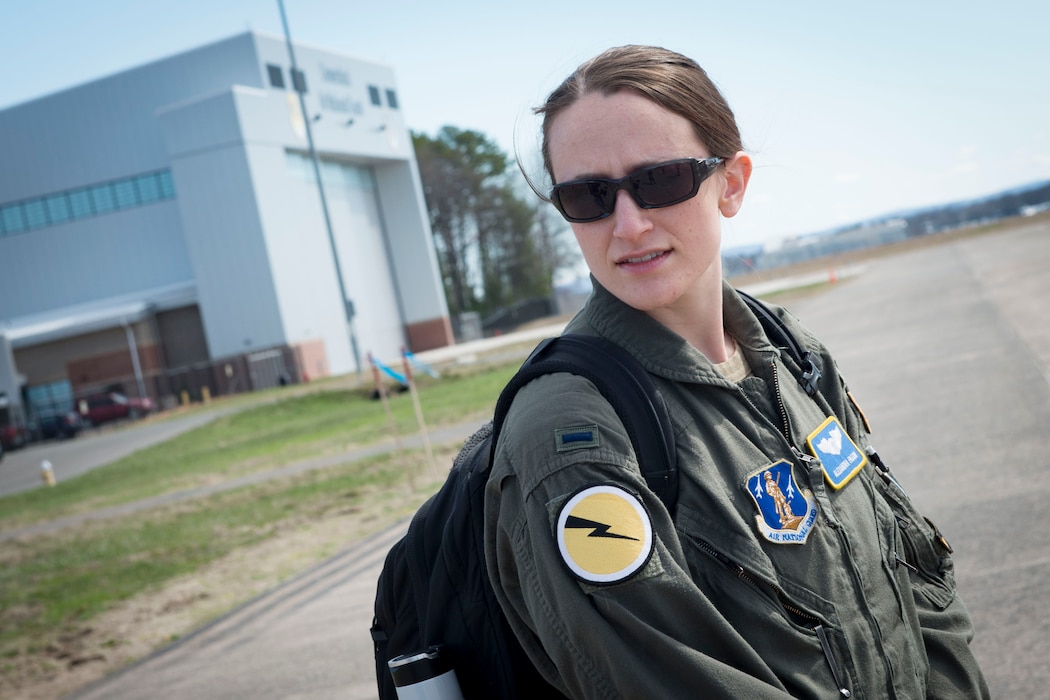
[[652, 187]]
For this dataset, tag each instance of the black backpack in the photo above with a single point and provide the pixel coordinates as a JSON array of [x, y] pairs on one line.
[[434, 589]]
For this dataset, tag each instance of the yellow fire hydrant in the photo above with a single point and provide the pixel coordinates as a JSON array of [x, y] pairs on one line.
[[47, 473]]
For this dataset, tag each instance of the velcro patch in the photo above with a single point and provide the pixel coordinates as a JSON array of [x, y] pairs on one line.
[[604, 534], [838, 454], [580, 437], [787, 513]]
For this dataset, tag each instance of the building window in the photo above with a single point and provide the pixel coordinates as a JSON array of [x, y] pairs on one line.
[[76, 204], [298, 80], [126, 194], [12, 218], [334, 174], [149, 190], [58, 208], [80, 203], [373, 96], [102, 196], [35, 213], [276, 75], [391, 99], [50, 399], [167, 186], [299, 166]]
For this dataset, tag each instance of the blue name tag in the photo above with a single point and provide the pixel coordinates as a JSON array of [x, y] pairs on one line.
[[840, 458]]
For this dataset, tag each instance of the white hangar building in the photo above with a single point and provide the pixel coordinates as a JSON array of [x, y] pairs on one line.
[[162, 231]]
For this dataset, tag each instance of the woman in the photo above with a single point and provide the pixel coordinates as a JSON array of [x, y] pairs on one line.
[[791, 565]]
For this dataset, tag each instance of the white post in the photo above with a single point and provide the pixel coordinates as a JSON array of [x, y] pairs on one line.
[[134, 349]]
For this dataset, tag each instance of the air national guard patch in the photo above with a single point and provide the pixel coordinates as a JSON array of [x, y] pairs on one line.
[[604, 534], [786, 512], [838, 455]]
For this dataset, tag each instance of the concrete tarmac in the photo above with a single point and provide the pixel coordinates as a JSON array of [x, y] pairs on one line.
[[948, 351]]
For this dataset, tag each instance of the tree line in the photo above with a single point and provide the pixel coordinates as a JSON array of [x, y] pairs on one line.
[[496, 242], [992, 208]]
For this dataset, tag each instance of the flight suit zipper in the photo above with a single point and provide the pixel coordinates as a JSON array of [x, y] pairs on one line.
[[799, 454], [785, 426], [780, 404], [802, 617], [836, 669]]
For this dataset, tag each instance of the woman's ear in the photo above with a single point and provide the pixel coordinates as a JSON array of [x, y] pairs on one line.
[[737, 172]]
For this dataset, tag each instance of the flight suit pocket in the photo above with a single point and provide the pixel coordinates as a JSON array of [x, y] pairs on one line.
[[796, 631], [926, 552]]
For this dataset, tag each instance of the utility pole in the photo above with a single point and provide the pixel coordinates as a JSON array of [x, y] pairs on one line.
[[299, 87]]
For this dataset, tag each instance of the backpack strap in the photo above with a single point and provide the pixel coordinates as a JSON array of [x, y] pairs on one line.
[[625, 384], [782, 337]]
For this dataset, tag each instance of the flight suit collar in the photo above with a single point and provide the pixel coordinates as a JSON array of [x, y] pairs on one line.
[[662, 351]]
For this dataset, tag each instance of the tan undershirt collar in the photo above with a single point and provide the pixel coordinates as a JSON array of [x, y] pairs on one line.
[[736, 368]]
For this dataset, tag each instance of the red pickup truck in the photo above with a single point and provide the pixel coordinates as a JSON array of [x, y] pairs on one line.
[[102, 408]]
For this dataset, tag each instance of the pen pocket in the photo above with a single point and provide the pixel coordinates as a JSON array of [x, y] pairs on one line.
[[923, 551]]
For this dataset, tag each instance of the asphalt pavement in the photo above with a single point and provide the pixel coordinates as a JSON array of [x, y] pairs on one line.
[[948, 351], [20, 470]]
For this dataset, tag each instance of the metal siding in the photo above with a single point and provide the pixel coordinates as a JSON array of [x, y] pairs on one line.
[[300, 257], [107, 128], [222, 228], [410, 239], [92, 259]]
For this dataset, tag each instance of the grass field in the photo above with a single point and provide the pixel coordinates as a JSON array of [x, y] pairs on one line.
[[52, 586]]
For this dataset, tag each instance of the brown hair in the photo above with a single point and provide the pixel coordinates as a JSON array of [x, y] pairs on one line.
[[673, 81]]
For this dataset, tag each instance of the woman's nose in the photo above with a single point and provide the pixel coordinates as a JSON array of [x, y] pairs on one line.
[[630, 220]]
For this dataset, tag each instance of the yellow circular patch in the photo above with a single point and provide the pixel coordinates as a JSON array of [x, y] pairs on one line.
[[604, 534]]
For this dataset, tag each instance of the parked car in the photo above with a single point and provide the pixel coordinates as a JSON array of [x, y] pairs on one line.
[[58, 425], [14, 436], [102, 408]]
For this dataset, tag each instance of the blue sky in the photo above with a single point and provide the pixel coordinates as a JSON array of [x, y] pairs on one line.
[[849, 113]]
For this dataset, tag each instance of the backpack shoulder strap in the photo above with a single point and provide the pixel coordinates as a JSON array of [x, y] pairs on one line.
[[625, 384], [778, 332]]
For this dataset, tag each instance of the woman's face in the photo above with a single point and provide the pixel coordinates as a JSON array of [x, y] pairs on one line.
[[664, 261]]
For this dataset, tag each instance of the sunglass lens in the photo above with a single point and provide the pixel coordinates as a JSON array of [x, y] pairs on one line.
[[664, 184], [584, 201]]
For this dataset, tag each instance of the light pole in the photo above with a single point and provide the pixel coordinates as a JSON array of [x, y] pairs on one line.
[[348, 305]]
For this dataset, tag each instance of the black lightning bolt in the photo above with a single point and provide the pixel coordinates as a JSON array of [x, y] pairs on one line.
[[598, 529]]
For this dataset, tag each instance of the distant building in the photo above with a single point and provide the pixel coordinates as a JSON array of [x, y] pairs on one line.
[[161, 229], [739, 261]]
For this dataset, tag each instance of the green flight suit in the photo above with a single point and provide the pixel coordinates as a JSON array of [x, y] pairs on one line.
[[864, 608]]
